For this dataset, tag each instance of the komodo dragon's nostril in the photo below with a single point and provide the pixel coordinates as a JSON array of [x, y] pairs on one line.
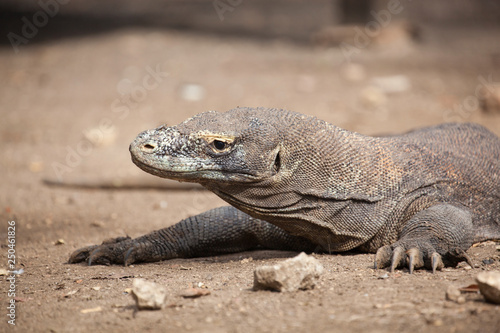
[[148, 147]]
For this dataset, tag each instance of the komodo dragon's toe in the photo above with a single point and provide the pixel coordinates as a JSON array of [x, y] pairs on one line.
[[111, 251], [417, 254]]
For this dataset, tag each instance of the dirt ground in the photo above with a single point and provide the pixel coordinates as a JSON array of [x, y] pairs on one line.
[[70, 107]]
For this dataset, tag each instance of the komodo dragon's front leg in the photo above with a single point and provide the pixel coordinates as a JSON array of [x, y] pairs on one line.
[[217, 231], [433, 237]]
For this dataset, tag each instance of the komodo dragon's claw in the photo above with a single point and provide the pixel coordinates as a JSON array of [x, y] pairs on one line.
[[436, 262], [109, 252], [417, 256], [81, 255], [415, 259], [396, 257]]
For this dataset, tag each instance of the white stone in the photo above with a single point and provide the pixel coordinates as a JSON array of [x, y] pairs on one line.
[[148, 295], [301, 272], [489, 286]]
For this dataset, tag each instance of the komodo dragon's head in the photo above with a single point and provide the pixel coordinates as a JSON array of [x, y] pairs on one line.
[[238, 146], [266, 161]]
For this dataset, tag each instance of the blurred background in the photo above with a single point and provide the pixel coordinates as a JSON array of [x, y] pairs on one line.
[[79, 79]]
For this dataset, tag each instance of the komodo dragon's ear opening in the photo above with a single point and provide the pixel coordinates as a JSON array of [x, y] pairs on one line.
[[277, 163]]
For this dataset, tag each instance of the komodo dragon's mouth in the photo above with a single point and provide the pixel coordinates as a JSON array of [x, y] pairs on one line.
[[186, 169]]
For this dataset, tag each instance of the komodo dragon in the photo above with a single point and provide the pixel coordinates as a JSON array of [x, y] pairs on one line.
[[298, 183]]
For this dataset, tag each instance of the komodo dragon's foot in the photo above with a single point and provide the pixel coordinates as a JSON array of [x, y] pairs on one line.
[[111, 251], [433, 238], [418, 253]]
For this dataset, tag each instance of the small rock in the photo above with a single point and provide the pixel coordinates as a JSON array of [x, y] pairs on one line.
[[453, 294], [192, 92], [488, 261], [489, 286], [148, 295], [464, 265], [489, 98], [195, 292], [60, 241], [300, 272], [199, 285], [246, 260], [97, 224], [70, 293]]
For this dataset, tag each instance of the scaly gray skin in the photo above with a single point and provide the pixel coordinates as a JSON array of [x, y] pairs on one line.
[[298, 183]]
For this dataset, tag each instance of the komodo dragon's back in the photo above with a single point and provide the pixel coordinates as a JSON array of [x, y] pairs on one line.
[[467, 157]]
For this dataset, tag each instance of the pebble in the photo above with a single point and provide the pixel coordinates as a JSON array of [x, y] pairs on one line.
[[488, 261], [301, 272], [195, 292], [148, 295], [489, 286], [464, 265], [192, 92], [60, 241], [453, 294]]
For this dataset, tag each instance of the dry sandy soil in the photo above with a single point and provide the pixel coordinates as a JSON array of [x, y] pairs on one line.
[[52, 92]]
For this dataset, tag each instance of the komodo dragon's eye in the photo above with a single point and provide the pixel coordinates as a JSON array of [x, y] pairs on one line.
[[220, 145]]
